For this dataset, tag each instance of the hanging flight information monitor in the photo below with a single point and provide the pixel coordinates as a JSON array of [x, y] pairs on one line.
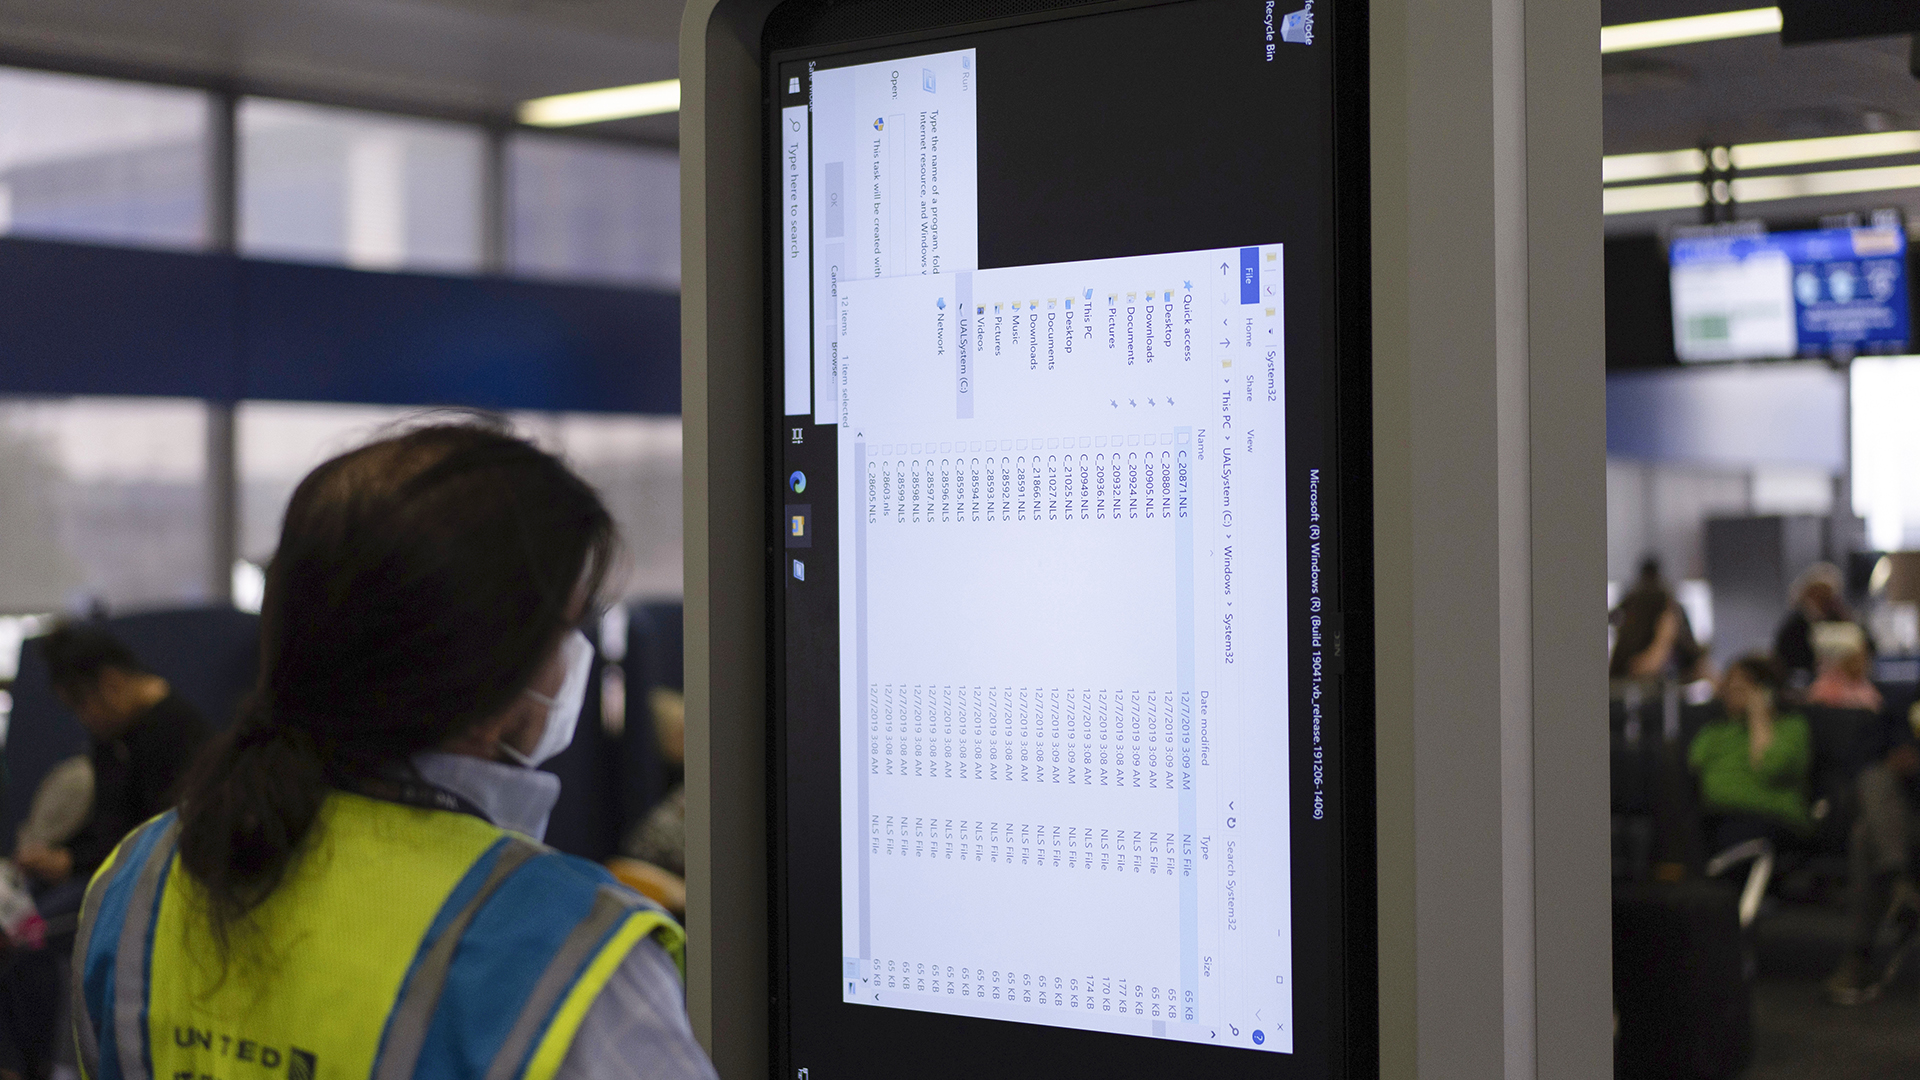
[[1068, 355]]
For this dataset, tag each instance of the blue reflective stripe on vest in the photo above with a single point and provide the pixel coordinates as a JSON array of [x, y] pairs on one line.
[[503, 953], [98, 952], [456, 902]]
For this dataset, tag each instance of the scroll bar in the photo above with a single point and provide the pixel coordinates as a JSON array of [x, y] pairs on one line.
[[963, 344], [865, 708], [1183, 667]]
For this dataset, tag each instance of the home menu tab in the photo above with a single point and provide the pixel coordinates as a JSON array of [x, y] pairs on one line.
[[1060, 718]]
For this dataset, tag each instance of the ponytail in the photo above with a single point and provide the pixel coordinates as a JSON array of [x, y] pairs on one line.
[[249, 805]]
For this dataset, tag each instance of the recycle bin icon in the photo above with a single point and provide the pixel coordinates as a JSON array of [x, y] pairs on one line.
[[1298, 27]]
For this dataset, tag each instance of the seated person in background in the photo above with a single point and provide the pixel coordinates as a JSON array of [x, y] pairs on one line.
[[1841, 650], [142, 739], [1881, 888], [653, 854], [1753, 763], [61, 805], [143, 735], [1816, 600]]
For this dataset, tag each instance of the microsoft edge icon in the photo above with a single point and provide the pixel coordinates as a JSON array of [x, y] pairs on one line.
[[798, 482]]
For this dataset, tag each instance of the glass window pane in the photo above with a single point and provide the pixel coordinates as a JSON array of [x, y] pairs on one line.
[[102, 160], [594, 211], [102, 500], [277, 443], [362, 189], [634, 461], [1886, 445]]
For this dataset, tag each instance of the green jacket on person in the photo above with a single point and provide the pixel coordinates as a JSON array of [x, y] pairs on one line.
[[1730, 782]]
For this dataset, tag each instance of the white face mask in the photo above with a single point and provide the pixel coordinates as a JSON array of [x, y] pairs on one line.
[[563, 709]]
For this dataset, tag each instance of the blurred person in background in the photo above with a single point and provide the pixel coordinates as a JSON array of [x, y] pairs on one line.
[[1753, 762], [653, 854], [1840, 650], [1881, 890], [1654, 639], [143, 738], [359, 878], [1817, 599]]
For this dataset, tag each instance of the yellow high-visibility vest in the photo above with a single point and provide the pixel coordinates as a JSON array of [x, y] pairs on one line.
[[404, 944]]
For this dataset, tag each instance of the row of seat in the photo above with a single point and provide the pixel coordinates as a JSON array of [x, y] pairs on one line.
[[610, 779], [1657, 819]]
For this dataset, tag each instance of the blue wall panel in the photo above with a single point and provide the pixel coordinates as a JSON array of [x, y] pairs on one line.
[[77, 319], [83, 320]]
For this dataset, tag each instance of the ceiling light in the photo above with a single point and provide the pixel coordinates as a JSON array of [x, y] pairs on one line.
[[1653, 35], [595, 106], [1842, 182], [1649, 197], [1620, 167], [1837, 148]]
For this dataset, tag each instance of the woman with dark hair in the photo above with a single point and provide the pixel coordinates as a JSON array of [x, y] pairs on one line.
[[1753, 762], [353, 880]]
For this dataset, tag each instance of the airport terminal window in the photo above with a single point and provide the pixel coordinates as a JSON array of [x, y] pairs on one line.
[[102, 502], [102, 160], [594, 211], [633, 460], [118, 162], [635, 463], [366, 190], [1886, 443]]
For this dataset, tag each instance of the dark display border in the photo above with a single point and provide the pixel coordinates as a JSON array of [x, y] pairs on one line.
[[879, 27]]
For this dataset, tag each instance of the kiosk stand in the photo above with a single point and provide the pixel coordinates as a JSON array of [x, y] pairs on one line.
[[1451, 915]]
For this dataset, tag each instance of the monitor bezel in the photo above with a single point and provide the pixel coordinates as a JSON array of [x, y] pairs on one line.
[[786, 35]]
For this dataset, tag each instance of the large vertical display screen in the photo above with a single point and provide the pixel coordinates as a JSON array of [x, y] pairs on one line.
[[1056, 338]]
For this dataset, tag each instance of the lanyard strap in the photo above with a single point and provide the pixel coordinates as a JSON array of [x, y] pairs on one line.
[[416, 792]]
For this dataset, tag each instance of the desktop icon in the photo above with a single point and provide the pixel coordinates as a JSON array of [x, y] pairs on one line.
[[798, 482], [799, 525], [1297, 28]]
